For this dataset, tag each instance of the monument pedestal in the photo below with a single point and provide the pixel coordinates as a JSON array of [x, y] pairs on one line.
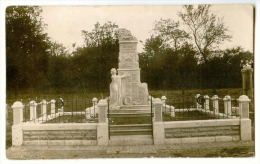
[[132, 91]]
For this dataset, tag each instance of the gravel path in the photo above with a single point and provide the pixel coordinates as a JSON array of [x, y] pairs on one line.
[[220, 149]]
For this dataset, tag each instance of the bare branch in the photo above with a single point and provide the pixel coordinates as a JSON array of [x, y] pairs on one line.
[[207, 30]]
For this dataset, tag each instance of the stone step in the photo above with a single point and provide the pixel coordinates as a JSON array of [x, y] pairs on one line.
[[131, 142], [129, 120], [137, 111], [111, 115], [131, 137], [131, 132], [121, 142], [130, 127]]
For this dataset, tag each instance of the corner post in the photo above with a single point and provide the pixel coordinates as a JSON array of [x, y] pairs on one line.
[[102, 126], [17, 132], [158, 126], [247, 81], [17, 112], [245, 122]]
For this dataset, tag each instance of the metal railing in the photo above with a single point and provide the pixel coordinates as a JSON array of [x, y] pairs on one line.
[[187, 108], [70, 110], [181, 106]]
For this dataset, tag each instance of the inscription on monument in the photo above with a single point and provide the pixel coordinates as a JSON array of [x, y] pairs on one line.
[[127, 48], [135, 77]]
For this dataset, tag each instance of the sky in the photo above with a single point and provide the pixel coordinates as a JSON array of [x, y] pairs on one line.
[[65, 23]]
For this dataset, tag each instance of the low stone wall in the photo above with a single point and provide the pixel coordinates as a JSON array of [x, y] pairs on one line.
[[177, 132], [30, 135], [55, 134], [202, 131], [232, 130]]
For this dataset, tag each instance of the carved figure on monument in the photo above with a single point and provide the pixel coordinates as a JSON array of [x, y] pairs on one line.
[[116, 89]]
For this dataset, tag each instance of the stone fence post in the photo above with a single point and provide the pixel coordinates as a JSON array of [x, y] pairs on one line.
[[33, 113], [247, 84], [198, 106], [102, 126], [102, 105], [87, 111], [17, 133], [53, 107], [163, 99], [94, 101], [215, 104], [245, 122], [61, 109], [206, 103], [44, 108], [172, 110], [244, 106], [158, 126], [227, 105], [157, 110], [17, 112], [247, 81]]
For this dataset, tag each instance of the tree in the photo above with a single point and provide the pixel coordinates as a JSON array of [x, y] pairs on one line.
[[166, 68], [168, 30], [207, 30], [92, 63], [59, 67], [100, 34], [151, 61], [57, 49], [187, 67], [153, 45], [26, 47]]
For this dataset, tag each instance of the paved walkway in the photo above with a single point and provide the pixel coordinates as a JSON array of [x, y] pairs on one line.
[[220, 149]]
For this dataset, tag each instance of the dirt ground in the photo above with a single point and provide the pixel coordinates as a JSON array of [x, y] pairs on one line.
[[207, 150]]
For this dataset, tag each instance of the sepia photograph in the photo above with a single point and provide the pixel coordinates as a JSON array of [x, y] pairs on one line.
[[129, 81]]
